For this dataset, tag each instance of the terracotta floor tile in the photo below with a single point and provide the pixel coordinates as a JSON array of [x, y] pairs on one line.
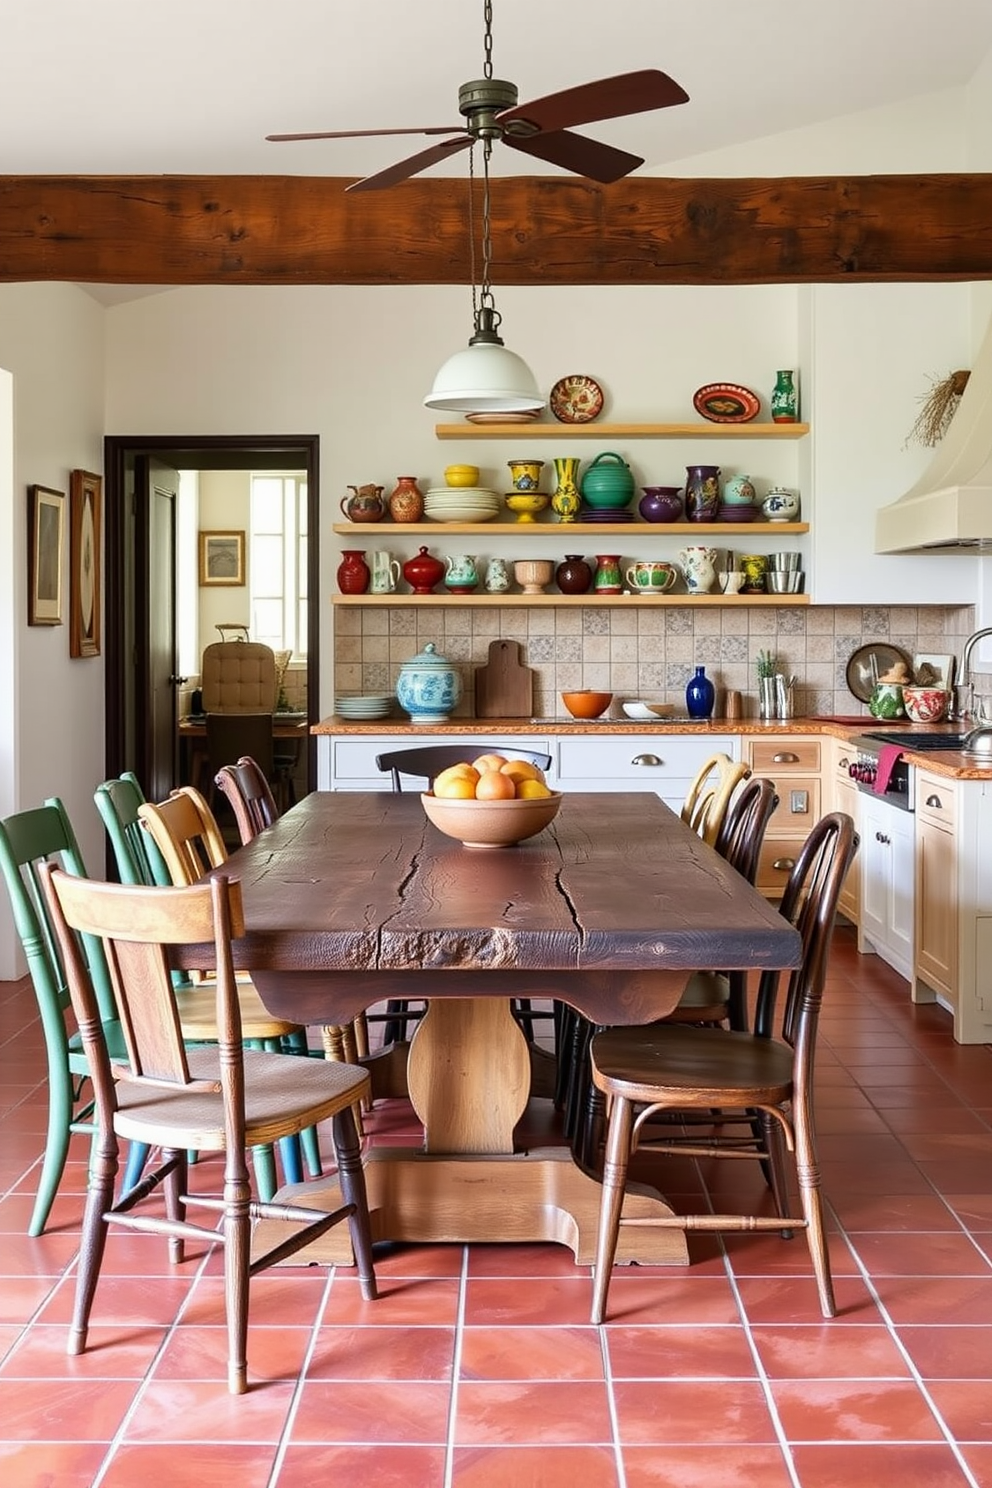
[[944, 1352], [194, 1465], [866, 1465], [931, 1255], [788, 1299], [896, 1212], [979, 1460], [517, 1301], [947, 1300], [960, 1175], [23, 1296], [33, 1464], [400, 1301], [506, 1353], [664, 1294], [372, 1411], [539, 1261], [670, 1352], [376, 1466], [382, 1353], [203, 1411], [769, 1255], [130, 1300], [527, 1467], [195, 1352], [867, 1410], [112, 1352], [420, 1260], [829, 1350], [531, 1412], [966, 1407], [686, 1414], [78, 1410], [974, 1210], [842, 1178], [705, 1467]]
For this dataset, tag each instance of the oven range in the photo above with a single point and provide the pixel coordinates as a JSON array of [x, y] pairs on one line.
[[900, 786]]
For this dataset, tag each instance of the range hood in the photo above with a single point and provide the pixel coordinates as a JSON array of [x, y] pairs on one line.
[[949, 508]]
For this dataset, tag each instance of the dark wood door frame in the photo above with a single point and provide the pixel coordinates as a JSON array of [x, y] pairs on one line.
[[126, 568]]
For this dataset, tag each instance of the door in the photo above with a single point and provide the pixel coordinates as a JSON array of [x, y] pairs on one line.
[[157, 490]]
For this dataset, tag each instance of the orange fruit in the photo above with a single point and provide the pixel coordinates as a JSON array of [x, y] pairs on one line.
[[458, 788], [493, 785], [532, 790], [489, 762], [518, 770], [453, 773]]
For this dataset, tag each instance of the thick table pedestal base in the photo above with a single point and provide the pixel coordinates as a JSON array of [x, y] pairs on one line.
[[525, 1197]]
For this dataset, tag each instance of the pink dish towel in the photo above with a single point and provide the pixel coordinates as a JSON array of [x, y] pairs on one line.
[[887, 756]]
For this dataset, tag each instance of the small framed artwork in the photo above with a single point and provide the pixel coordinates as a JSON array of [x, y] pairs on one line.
[[46, 538], [933, 671], [222, 559], [85, 490]]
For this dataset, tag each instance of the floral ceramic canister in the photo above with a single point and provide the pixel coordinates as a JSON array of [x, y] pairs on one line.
[[428, 686], [781, 505]]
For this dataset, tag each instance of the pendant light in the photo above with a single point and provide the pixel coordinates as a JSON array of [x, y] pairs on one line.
[[485, 377]]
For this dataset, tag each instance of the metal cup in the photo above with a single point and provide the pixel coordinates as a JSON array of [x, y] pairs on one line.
[[779, 562]]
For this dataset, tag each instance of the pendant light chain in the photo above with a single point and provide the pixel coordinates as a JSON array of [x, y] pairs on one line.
[[471, 232], [487, 12]]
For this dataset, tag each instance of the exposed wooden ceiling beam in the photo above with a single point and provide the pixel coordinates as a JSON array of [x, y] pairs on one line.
[[560, 230]]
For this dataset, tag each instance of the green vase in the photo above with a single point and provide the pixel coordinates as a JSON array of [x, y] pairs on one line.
[[784, 398]]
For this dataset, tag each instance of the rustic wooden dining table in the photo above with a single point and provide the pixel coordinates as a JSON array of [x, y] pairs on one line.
[[351, 899]]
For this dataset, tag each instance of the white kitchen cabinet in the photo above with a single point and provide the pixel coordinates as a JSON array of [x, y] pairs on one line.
[[665, 764], [841, 794], [887, 883], [347, 761]]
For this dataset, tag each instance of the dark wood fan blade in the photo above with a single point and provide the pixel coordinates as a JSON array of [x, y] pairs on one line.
[[609, 98], [412, 166], [364, 133], [586, 157]]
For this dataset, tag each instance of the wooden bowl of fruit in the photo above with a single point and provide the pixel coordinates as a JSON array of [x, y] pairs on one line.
[[492, 801]]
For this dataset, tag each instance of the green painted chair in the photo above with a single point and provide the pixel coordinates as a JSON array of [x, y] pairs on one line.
[[26, 840]]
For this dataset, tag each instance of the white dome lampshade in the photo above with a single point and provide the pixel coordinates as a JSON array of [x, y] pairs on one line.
[[485, 377]]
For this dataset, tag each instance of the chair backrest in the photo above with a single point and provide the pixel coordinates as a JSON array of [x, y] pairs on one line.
[[231, 735], [429, 760], [136, 925], [248, 794], [238, 677], [27, 839], [186, 833], [810, 903], [742, 831], [709, 794], [135, 852]]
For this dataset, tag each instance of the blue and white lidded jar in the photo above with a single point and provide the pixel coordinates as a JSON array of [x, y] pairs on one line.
[[428, 687]]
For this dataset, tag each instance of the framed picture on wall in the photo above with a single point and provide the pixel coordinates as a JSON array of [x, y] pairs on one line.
[[222, 559], [85, 491], [46, 537]]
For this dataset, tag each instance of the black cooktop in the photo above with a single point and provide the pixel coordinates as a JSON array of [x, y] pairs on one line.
[[923, 743]]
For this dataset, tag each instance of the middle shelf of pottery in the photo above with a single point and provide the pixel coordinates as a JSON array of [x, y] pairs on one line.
[[759, 531]]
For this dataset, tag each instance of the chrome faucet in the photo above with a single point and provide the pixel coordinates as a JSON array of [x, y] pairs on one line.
[[964, 691]]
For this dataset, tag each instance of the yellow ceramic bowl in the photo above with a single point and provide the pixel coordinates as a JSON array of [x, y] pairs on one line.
[[526, 504], [461, 475], [491, 823], [586, 703]]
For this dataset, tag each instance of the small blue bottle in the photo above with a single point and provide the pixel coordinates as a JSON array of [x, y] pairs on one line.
[[700, 695]]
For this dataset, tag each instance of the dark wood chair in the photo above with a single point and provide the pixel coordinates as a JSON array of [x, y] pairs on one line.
[[426, 762], [220, 1098], [670, 1068]]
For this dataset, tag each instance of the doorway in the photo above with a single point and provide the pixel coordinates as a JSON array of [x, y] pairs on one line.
[[142, 677]]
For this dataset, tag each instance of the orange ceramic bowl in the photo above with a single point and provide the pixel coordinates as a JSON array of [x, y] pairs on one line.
[[587, 704], [491, 823]]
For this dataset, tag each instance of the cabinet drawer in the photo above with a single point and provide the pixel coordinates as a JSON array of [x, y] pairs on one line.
[[638, 761], [798, 806], [778, 855], [776, 756], [936, 800]]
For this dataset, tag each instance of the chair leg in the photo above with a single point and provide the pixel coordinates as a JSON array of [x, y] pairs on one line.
[[810, 1193], [60, 1104], [237, 1262], [99, 1199], [351, 1176], [264, 1162], [137, 1156], [611, 1203]]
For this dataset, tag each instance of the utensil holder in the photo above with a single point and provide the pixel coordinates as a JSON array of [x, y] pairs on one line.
[[784, 697], [766, 697]]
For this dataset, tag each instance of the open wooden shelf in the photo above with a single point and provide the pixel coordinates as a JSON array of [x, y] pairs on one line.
[[757, 530], [523, 433], [517, 601]]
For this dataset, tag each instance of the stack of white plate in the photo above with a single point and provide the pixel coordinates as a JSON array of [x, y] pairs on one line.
[[461, 504], [358, 708]]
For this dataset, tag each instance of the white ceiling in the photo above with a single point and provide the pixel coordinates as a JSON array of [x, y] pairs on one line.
[[193, 86]]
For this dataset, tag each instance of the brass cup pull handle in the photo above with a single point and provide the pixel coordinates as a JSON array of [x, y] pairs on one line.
[[785, 757], [784, 865], [844, 764], [645, 759], [881, 837], [935, 801]]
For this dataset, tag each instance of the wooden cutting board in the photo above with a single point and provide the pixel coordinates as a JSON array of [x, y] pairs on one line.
[[504, 687]]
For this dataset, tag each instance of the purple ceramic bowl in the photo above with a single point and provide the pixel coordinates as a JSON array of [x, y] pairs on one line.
[[661, 504]]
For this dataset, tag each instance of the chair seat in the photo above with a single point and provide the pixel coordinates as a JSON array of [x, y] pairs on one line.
[[282, 1096], [692, 1067], [198, 1014], [706, 999]]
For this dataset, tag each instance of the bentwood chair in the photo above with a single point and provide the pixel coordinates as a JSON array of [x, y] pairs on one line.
[[669, 1068], [709, 795], [186, 834], [426, 762], [27, 839], [219, 1098]]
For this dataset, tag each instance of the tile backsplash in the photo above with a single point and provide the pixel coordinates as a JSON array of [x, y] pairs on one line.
[[644, 651]]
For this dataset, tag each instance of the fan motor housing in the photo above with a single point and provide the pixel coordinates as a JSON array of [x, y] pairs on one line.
[[481, 100]]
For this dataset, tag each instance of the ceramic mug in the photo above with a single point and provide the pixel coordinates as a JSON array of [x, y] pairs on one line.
[[731, 581], [754, 567], [385, 572], [646, 577]]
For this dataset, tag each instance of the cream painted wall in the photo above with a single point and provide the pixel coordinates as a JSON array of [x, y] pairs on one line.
[[225, 497], [52, 342]]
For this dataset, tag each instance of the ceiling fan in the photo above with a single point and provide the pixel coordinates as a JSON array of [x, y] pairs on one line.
[[541, 128]]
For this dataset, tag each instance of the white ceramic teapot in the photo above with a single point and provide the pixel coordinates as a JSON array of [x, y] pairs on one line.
[[699, 568]]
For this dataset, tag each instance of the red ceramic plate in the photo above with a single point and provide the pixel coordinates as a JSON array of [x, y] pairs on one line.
[[576, 400], [725, 403]]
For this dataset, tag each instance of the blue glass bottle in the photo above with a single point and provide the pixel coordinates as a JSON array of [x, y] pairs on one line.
[[700, 695]]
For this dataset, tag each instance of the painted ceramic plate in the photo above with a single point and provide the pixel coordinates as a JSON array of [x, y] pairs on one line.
[[576, 400], [725, 403], [868, 664], [504, 418]]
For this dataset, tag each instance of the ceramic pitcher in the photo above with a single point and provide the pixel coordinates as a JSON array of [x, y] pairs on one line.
[[385, 573], [462, 576], [699, 568]]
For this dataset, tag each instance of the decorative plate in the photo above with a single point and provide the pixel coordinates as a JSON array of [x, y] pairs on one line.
[[524, 417], [576, 400], [725, 403], [869, 663]]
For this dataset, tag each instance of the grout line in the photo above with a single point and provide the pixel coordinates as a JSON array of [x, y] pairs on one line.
[[456, 1367], [284, 1442]]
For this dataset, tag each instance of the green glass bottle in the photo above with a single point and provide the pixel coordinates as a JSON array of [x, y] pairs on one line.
[[784, 398]]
